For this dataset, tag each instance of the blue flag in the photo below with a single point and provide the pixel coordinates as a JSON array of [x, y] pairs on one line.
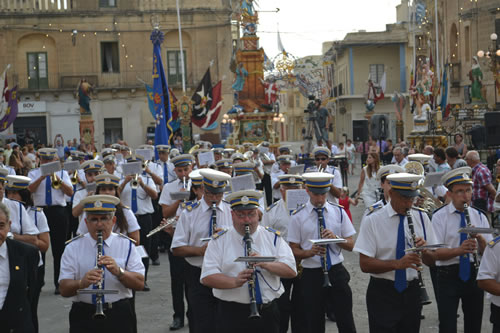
[[161, 98], [444, 92], [151, 104]]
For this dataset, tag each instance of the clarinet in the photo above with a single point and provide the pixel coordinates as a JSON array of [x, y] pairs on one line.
[[254, 312], [469, 224], [214, 217], [424, 297], [326, 279], [99, 311]]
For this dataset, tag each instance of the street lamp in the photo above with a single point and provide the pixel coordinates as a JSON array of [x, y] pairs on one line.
[[493, 55]]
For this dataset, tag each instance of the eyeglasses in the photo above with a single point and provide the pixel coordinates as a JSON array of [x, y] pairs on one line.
[[321, 158], [103, 219], [462, 192], [249, 215]]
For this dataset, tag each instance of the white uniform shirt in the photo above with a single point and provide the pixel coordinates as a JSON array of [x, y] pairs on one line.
[[490, 268], [194, 225], [159, 170], [276, 166], [132, 223], [267, 168], [80, 255], [144, 202], [57, 195], [277, 217], [220, 256], [22, 223], [4, 273], [38, 217], [274, 180], [336, 181], [304, 226], [12, 171], [115, 173], [378, 236], [79, 196], [174, 186], [446, 224]]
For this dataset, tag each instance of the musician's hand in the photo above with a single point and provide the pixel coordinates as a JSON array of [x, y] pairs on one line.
[[110, 265], [410, 260], [419, 241], [127, 179], [243, 277], [468, 246], [90, 193], [218, 230], [91, 277], [203, 248], [328, 234], [169, 230], [318, 250]]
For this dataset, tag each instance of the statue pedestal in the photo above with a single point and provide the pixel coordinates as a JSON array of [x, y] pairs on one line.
[[252, 96], [185, 107], [255, 128], [87, 129]]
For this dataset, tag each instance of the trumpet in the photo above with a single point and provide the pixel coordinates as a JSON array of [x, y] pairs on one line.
[[184, 183], [134, 184], [74, 178], [424, 297], [469, 224], [159, 228], [254, 311], [145, 164], [55, 182]]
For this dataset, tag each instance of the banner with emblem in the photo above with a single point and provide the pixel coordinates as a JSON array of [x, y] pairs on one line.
[[9, 114]]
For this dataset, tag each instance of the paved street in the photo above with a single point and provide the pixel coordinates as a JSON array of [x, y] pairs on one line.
[[154, 310]]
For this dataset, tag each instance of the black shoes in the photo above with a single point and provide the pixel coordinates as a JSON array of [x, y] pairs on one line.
[[156, 262], [177, 324], [146, 287], [57, 292]]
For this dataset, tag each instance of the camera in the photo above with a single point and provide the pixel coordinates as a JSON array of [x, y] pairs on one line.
[[311, 106]]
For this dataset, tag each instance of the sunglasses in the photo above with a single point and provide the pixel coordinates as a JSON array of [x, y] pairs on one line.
[[321, 158]]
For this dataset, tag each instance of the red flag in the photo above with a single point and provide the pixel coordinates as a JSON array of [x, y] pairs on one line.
[[216, 106]]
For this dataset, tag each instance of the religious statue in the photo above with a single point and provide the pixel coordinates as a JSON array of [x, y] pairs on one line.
[[476, 75], [371, 96], [421, 92], [241, 74], [247, 8], [84, 97]]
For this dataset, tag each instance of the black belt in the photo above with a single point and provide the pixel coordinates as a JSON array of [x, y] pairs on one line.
[[390, 283], [261, 307], [105, 306], [453, 270]]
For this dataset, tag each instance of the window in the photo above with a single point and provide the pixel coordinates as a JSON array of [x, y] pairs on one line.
[[107, 3], [174, 67], [109, 57], [376, 72], [37, 71], [467, 43], [112, 130]]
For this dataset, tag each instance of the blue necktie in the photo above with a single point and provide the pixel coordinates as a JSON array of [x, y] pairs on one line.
[[48, 191], [258, 295], [134, 200], [464, 267], [321, 220], [165, 173], [400, 278]]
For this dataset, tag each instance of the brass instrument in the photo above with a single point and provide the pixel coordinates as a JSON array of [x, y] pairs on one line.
[[193, 149], [213, 220], [254, 312], [74, 178], [430, 203], [145, 165], [424, 297], [184, 183], [55, 182], [99, 311], [324, 261], [134, 183], [159, 228], [469, 224], [248, 155]]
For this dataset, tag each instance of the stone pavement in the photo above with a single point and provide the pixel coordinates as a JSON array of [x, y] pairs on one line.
[[154, 309]]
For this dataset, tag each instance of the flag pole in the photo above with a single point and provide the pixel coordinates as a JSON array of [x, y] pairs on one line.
[[182, 50], [437, 42]]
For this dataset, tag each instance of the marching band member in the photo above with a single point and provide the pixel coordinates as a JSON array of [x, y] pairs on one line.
[[202, 220], [393, 295], [230, 279], [488, 279], [267, 166], [248, 168], [225, 165], [53, 203], [285, 162], [277, 217], [317, 262], [92, 169], [456, 269], [122, 270], [283, 150], [218, 152], [138, 195], [110, 166], [321, 158]]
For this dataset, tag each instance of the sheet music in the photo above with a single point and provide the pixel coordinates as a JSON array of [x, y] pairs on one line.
[[264, 150], [206, 158], [49, 168], [132, 168], [296, 170], [243, 182], [71, 165], [146, 153], [433, 178], [296, 198], [179, 195], [91, 187]]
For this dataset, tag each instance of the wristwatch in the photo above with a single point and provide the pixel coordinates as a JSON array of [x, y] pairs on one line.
[[122, 272]]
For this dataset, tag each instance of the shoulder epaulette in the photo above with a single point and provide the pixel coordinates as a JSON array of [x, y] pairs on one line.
[[374, 208], [74, 239], [271, 207], [127, 237], [193, 206], [298, 209], [185, 204], [126, 207], [493, 242], [335, 204], [276, 232], [218, 234], [420, 209], [434, 212], [38, 209]]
